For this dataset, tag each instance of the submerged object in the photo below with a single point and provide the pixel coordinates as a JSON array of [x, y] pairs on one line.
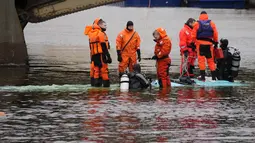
[[155, 83], [124, 82], [207, 83], [217, 83]]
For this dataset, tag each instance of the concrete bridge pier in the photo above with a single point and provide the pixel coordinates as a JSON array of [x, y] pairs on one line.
[[13, 49]]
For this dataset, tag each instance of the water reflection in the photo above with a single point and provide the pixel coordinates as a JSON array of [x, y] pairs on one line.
[[103, 115], [102, 125], [94, 124], [124, 123], [202, 98]]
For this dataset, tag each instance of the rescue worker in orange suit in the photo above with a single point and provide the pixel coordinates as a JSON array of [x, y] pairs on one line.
[[128, 48], [187, 48], [205, 36], [161, 55], [100, 56], [91, 63]]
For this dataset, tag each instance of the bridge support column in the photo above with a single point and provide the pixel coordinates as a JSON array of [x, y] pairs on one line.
[[13, 49]]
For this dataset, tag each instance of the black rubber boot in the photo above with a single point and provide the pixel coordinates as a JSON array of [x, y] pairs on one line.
[[230, 79], [214, 75], [92, 81], [191, 71], [98, 82], [160, 83], [106, 83], [202, 75]]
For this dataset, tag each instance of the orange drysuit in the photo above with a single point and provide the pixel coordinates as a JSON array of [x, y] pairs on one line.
[[87, 29], [162, 51], [100, 56], [186, 45], [127, 42], [204, 34]]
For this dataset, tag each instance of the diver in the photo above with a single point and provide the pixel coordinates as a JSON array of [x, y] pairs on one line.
[[137, 80], [228, 67]]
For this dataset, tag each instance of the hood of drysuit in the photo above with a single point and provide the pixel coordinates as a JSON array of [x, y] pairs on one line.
[[203, 17], [137, 68], [188, 27], [96, 21], [90, 28], [162, 32]]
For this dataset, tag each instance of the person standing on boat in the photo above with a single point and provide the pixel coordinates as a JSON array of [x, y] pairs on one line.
[[205, 36], [187, 48], [161, 55], [128, 48], [100, 56]]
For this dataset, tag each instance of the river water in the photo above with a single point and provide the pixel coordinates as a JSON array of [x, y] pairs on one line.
[[37, 111]]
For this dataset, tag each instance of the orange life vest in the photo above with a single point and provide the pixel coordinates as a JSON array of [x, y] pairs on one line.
[[96, 37]]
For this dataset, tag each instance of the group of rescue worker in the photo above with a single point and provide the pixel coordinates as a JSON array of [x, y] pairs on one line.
[[198, 39]]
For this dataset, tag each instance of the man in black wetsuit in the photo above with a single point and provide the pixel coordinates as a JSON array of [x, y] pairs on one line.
[[224, 65], [137, 80]]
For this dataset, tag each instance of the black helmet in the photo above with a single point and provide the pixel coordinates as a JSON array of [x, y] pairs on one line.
[[137, 68], [130, 23], [203, 12], [223, 43]]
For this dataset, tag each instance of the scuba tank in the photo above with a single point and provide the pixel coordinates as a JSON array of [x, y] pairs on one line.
[[124, 82], [236, 59]]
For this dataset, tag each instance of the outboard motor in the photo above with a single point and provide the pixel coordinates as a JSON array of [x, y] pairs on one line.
[[236, 59], [124, 82]]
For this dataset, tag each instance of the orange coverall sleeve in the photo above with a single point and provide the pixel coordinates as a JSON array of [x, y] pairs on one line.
[[194, 32], [119, 41], [165, 49], [138, 41], [183, 39], [215, 32]]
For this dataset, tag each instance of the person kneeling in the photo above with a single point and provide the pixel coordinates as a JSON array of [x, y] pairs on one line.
[[136, 79], [228, 67]]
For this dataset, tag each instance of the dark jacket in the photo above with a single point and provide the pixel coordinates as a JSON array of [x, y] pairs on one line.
[[224, 66], [138, 81]]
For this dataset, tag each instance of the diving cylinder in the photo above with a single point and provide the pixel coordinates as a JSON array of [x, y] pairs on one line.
[[124, 82], [236, 59]]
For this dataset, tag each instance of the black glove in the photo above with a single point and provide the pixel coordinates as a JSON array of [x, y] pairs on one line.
[[154, 57], [109, 59], [216, 45], [193, 46], [106, 55], [119, 56], [186, 53], [139, 55]]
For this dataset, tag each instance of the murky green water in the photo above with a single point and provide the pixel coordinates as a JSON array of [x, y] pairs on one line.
[[58, 53]]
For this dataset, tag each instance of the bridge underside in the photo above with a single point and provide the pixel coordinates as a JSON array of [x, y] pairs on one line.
[[15, 14]]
